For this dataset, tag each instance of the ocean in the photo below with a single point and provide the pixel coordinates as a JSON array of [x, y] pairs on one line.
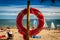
[[12, 22]]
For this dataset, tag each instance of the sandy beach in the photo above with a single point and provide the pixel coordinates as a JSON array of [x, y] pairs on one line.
[[45, 35]]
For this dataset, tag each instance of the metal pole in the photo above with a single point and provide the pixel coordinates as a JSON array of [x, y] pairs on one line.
[[28, 19]]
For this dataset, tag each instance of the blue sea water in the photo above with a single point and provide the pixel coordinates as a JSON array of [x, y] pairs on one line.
[[12, 22], [9, 22], [55, 21]]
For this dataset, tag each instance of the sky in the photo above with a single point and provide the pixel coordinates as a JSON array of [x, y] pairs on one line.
[[9, 9]]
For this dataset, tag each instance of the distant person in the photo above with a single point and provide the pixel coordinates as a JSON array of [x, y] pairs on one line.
[[34, 24]]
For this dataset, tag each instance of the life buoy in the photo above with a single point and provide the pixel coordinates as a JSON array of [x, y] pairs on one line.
[[19, 19]]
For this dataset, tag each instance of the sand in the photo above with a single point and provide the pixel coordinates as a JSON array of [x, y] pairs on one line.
[[45, 35]]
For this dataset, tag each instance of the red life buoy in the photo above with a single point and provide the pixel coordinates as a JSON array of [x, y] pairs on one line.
[[19, 19]]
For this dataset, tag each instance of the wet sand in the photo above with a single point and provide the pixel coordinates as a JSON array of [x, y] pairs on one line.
[[45, 35]]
